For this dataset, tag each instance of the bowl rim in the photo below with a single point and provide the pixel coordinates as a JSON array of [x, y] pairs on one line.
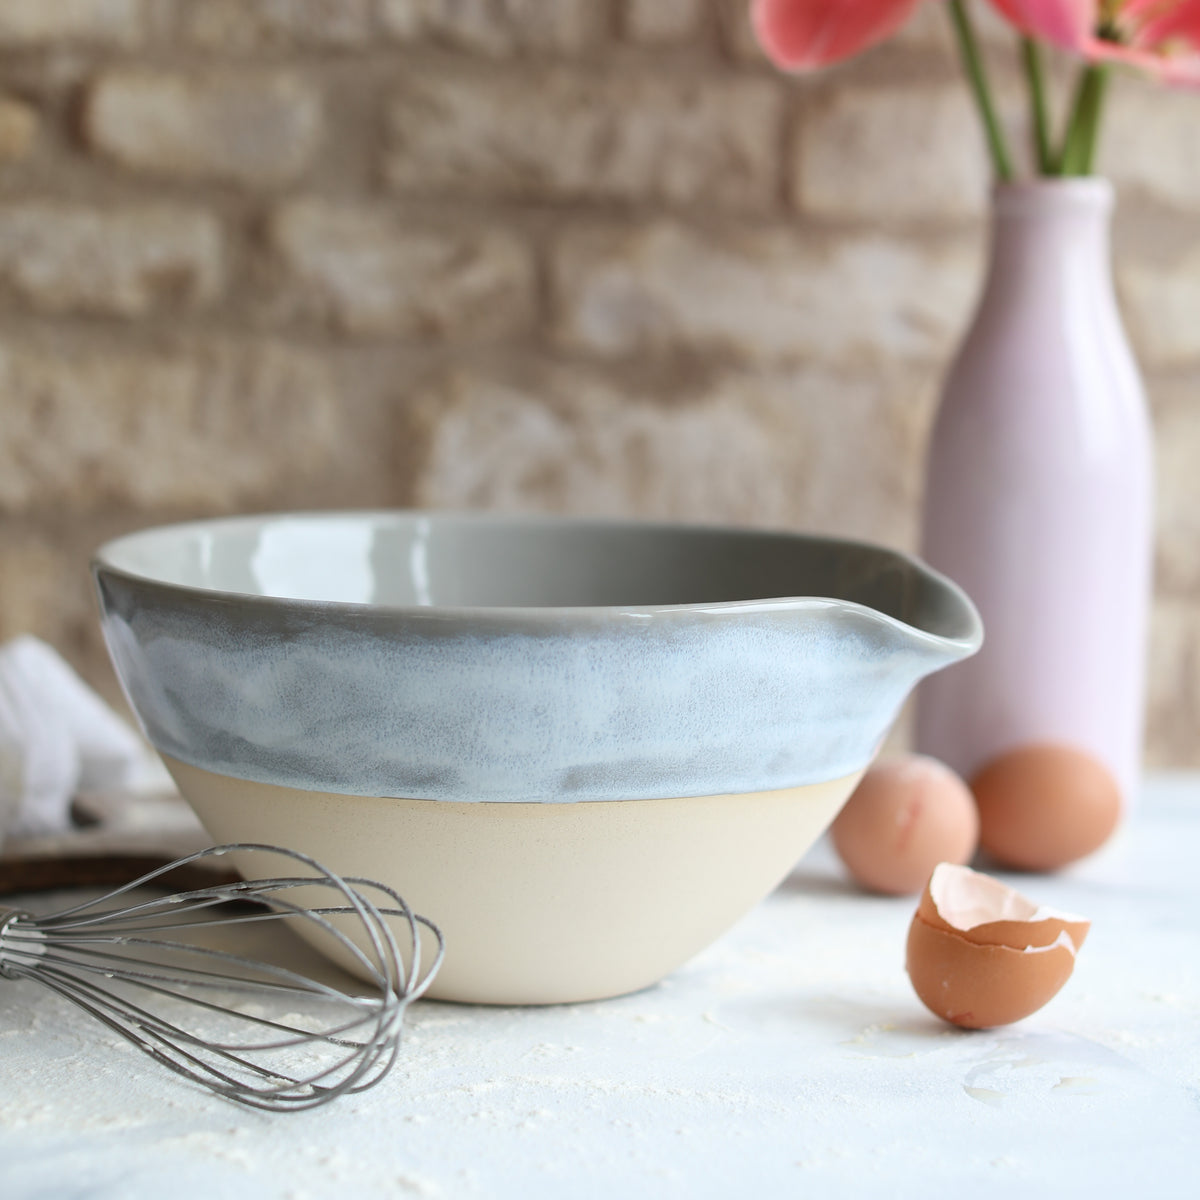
[[965, 642]]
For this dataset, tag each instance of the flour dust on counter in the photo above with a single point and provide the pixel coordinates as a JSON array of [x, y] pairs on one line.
[[791, 1058]]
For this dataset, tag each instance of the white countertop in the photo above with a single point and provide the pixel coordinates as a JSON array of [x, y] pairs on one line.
[[790, 1059]]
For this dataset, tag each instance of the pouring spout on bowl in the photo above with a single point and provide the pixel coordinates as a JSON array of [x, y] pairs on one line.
[[925, 616]]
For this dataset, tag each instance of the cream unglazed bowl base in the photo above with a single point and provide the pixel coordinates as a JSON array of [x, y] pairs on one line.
[[542, 903]]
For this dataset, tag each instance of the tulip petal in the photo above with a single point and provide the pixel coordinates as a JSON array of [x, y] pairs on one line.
[[1066, 23], [799, 35], [1166, 24], [1181, 70], [1160, 37]]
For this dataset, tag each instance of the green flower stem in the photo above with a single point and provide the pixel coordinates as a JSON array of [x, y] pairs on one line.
[[1031, 58], [973, 64], [1079, 147]]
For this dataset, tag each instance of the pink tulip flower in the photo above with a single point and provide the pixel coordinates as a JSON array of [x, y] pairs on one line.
[[798, 35], [1159, 36]]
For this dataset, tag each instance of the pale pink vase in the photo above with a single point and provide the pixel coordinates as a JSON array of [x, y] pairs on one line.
[[1039, 496]]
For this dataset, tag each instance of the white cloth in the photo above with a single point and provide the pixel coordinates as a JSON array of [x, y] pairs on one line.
[[57, 738]]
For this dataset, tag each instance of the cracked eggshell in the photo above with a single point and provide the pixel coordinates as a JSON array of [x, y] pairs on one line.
[[980, 954]]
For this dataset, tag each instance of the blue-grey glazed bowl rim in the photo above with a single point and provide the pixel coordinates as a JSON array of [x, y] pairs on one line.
[[334, 695], [968, 642]]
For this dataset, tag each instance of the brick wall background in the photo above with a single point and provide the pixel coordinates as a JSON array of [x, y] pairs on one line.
[[577, 255]]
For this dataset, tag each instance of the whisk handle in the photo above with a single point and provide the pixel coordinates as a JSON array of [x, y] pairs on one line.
[[10, 952]]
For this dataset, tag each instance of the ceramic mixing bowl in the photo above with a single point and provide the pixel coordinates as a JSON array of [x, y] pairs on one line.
[[583, 748]]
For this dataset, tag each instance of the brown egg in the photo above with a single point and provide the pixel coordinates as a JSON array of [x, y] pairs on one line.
[[907, 814], [980, 954], [1043, 806]]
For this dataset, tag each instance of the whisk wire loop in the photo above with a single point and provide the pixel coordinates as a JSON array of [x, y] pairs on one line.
[[196, 1007], [163, 1043], [128, 918], [291, 1092]]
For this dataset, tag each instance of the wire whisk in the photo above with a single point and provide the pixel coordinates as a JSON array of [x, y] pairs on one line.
[[253, 1030]]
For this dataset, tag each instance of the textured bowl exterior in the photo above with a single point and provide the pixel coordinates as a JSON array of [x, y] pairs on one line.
[[582, 794], [515, 704], [542, 903]]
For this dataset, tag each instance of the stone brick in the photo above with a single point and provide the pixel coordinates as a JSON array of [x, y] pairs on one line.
[[1177, 450], [219, 425], [373, 274], [18, 128], [1148, 143], [497, 28], [1162, 305], [881, 153], [930, 28], [569, 134], [249, 127], [35, 587], [236, 26], [661, 22], [761, 294], [1173, 701], [127, 262], [52, 22], [785, 448], [737, 34], [46, 591]]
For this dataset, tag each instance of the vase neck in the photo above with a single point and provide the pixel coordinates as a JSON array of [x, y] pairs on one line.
[[1040, 228], [1049, 249]]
